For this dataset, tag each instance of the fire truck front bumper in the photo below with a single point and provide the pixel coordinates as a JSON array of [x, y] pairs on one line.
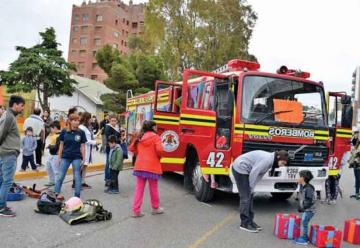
[[285, 179]]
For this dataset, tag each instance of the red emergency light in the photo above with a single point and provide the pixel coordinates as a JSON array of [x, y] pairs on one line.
[[239, 65], [295, 73]]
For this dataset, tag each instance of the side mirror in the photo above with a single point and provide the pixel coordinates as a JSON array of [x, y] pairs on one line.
[[346, 99], [347, 116]]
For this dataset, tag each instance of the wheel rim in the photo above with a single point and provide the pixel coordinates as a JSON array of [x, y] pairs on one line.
[[197, 177]]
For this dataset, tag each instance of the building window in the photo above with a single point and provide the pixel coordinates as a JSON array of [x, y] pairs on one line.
[[127, 33], [85, 17], [116, 34], [122, 42], [116, 22], [99, 18], [83, 41], [123, 20], [75, 28], [97, 42], [73, 52], [127, 23], [115, 45], [94, 66], [98, 28], [74, 40], [84, 29], [134, 25], [125, 44], [82, 53], [94, 77], [81, 65], [94, 54], [76, 18], [123, 32]]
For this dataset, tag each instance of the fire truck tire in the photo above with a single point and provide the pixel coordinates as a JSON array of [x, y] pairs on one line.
[[203, 191], [281, 196]]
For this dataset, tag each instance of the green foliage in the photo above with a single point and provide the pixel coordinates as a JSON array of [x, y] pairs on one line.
[[203, 34], [137, 71], [41, 68]]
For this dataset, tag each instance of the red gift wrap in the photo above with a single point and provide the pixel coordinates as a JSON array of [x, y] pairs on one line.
[[325, 236], [352, 231], [287, 226]]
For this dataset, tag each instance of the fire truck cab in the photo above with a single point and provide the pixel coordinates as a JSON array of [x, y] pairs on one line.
[[210, 118]]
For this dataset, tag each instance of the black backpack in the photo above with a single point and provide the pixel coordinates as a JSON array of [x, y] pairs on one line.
[[48, 203]]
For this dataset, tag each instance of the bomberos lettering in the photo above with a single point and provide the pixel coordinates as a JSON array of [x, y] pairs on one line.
[[291, 132]]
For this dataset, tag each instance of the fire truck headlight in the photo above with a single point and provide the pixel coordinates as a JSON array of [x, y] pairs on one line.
[[322, 173]]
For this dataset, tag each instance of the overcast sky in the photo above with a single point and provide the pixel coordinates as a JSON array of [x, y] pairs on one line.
[[320, 36]]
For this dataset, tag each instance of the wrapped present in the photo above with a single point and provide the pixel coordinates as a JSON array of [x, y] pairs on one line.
[[325, 236], [287, 226], [352, 231]]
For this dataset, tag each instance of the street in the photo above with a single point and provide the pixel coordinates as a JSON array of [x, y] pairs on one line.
[[186, 222]]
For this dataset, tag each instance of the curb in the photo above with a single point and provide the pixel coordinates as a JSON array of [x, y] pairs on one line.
[[34, 175]]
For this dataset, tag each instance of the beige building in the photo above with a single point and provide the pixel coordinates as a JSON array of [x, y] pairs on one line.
[[100, 22]]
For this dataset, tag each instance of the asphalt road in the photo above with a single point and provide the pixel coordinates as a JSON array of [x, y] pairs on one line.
[[186, 222]]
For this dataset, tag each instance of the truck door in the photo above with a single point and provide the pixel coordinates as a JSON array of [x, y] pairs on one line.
[[340, 127], [206, 119], [167, 118]]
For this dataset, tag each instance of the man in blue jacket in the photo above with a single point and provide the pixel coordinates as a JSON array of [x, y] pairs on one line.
[[248, 169]]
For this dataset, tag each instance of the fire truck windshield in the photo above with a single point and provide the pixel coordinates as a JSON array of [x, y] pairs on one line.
[[275, 100]]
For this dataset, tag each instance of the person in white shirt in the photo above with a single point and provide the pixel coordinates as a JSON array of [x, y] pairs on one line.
[[85, 125], [37, 124]]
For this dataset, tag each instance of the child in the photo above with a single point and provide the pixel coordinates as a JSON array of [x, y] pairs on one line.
[[115, 163], [123, 143], [307, 198], [29, 145], [52, 163]]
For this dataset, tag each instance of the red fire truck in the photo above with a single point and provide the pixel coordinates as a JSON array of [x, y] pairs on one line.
[[210, 118]]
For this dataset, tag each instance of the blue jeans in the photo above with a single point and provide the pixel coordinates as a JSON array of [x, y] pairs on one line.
[[357, 180], [107, 168], [64, 166], [7, 171], [306, 217]]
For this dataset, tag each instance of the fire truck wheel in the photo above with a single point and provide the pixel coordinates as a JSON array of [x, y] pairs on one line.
[[203, 191], [281, 196]]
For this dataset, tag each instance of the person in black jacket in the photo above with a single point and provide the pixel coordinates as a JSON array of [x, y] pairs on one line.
[[307, 198], [110, 129], [103, 124]]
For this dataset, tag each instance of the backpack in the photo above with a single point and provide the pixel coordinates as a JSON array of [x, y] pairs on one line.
[[48, 203], [91, 211]]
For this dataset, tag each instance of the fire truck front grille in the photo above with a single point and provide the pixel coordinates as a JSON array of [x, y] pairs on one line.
[[311, 155]]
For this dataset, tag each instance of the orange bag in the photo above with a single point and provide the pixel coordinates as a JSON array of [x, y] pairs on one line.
[[352, 231]]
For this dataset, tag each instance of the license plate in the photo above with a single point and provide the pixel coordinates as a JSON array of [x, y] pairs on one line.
[[292, 172]]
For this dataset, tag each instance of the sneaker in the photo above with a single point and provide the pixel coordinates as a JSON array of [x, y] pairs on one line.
[[137, 215], [107, 184], [357, 197], [7, 212], [114, 191], [157, 211], [333, 202], [301, 241], [85, 186], [49, 184], [256, 226], [352, 196], [248, 228]]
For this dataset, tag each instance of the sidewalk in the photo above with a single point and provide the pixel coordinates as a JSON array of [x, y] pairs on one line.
[[97, 165]]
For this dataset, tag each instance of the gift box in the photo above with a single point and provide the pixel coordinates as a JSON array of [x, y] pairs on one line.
[[325, 236], [287, 226], [352, 231]]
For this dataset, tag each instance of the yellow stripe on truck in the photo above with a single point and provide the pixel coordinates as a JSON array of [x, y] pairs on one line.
[[205, 124], [166, 122], [203, 117], [165, 160], [215, 171]]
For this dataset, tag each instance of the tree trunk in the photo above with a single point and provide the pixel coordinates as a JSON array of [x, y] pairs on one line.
[[39, 98], [46, 97]]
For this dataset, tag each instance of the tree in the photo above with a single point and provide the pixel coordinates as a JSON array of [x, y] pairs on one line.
[[198, 33], [41, 68], [137, 71]]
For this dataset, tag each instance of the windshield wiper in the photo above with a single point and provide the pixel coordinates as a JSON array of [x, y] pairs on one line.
[[272, 113]]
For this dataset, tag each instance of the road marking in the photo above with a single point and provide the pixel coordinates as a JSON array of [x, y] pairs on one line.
[[214, 229]]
